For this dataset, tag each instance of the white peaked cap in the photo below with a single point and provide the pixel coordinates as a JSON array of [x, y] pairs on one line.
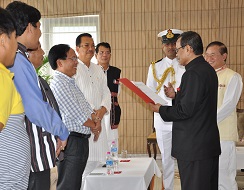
[[174, 31]]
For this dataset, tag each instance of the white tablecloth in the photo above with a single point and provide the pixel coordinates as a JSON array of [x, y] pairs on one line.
[[240, 157], [135, 175]]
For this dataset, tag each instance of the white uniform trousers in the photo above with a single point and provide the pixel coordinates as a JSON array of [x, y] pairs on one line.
[[227, 166], [164, 139]]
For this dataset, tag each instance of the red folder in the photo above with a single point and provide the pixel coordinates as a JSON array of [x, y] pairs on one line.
[[136, 90]]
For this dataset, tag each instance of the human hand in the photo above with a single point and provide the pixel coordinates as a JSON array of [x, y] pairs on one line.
[[154, 107], [100, 113], [114, 126], [169, 91], [98, 127], [97, 130], [96, 136], [60, 146]]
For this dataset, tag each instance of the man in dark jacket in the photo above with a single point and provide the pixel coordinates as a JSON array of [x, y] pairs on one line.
[[195, 138]]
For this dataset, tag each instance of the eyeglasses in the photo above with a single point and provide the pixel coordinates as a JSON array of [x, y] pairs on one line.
[[73, 58], [104, 52], [177, 49], [87, 46]]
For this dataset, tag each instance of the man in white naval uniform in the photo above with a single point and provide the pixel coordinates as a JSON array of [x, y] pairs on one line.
[[160, 73], [229, 92], [92, 82]]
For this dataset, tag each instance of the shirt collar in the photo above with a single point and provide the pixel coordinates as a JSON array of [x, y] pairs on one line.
[[194, 61], [170, 60], [22, 49], [82, 63], [105, 70], [221, 68], [3, 68], [64, 76]]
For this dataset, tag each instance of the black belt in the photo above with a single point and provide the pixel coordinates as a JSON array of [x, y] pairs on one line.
[[85, 136]]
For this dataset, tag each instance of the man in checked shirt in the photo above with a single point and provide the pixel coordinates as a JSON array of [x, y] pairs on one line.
[[76, 113]]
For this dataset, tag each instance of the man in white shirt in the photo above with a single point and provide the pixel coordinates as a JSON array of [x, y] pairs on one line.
[[92, 82], [160, 73], [229, 92]]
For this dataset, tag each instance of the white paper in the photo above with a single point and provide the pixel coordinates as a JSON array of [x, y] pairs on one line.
[[144, 88]]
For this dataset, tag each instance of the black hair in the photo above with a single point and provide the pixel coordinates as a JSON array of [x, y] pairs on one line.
[[192, 39], [222, 47], [23, 14], [7, 24], [57, 52], [104, 44], [78, 39]]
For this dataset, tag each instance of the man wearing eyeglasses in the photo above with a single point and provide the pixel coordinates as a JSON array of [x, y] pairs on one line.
[[160, 73], [92, 82], [195, 134], [76, 113]]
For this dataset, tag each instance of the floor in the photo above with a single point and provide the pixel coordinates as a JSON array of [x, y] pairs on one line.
[[158, 181]]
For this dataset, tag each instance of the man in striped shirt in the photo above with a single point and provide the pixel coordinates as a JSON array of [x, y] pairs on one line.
[[43, 143], [76, 113]]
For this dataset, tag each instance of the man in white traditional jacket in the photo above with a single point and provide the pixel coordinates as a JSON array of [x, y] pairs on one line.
[[92, 82], [229, 92], [160, 73]]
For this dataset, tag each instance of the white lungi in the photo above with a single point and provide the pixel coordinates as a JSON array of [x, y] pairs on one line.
[[112, 134], [227, 166]]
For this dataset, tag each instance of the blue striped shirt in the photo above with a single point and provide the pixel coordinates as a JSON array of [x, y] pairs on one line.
[[74, 108]]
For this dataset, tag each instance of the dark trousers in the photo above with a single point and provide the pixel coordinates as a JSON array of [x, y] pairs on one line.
[[71, 168], [39, 180], [199, 175]]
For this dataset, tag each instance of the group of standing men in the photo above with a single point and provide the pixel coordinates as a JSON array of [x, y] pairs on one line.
[[66, 119], [70, 119], [84, 98], [198, 126]]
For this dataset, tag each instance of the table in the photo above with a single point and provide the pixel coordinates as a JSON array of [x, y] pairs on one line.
[[136, 175], [240, 158]]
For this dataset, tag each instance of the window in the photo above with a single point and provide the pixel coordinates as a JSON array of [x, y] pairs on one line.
[[65, 30]]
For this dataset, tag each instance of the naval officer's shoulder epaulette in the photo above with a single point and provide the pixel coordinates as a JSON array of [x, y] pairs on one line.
[[153, 62]]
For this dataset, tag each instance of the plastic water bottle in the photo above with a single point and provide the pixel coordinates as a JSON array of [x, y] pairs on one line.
[[109, 164], [114, 154]]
